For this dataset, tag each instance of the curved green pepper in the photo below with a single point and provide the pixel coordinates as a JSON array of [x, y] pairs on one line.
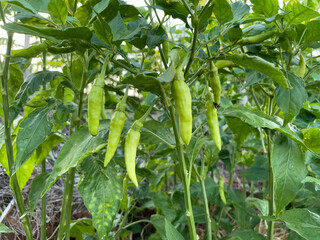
[[95, 101], [301, 67], [131, 145], [116, 126], [215, 83], [183, 102]]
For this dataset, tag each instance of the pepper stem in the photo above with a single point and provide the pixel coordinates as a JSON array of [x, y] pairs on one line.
[[144, 117], [121, 106], [100, 80]]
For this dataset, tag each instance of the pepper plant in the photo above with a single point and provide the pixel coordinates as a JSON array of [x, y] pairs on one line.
[[231, 93]]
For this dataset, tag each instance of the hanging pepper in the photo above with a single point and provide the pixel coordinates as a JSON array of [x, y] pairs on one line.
[[95, 100], [301, 67], [215, 83], [212, 119], [116, 126], [131, 145], [182, 99]]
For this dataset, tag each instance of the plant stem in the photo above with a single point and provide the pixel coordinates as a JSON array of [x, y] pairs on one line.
[[163, 57], [231, 168], [65, 218], [194, 41], [201, 178], [184, 174], [255, 98], [66, 205], [270, 178], [43, 171], [206, 207], [7, 136], [244, 183], [270, 188], [43, 207]]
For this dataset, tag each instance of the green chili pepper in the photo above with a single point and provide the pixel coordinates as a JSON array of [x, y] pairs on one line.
[[182, 99], [221, 190], [256, 38], [302, 66], [165, 49], [95, 100], [131, 145], [215, 84], [116, 126], [212, 120]]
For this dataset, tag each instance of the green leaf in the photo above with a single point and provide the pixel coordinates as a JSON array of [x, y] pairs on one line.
[[258, 64], [28, 87], [4, 229], [259, 169], [312, 34], [245, 234], [253, 77], [205, 15], [245, 158], [23, 4], [34, 129], [260, 204], [291, 101], [58, 11], [299, 13], [168, 75], [267, 8], [311, 137], [173, 8], [52, 34], [101, 190], [103, 30], [154, 132], [158, 222], [84, 13], [35, 192], [43, 150], [80, 227], [303, 222], [118, 28], [144, 82], [40, 5], [24, 173], [222, 11], [239, 10], [239, 129], [171, 232], [311, 180], [194, 147], [258, 119], [156, 36], [287, 160], [165, 228], [80, 144], [164, 205]]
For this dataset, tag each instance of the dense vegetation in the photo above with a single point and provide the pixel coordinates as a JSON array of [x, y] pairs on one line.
[[215, 134]]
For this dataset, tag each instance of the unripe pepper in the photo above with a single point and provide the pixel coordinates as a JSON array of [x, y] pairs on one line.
[[221, 190], [212, 120], [256, 38], [302, 66], [183, 101], [95, 100], [131, 145], [116, 126], [215, 83]]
